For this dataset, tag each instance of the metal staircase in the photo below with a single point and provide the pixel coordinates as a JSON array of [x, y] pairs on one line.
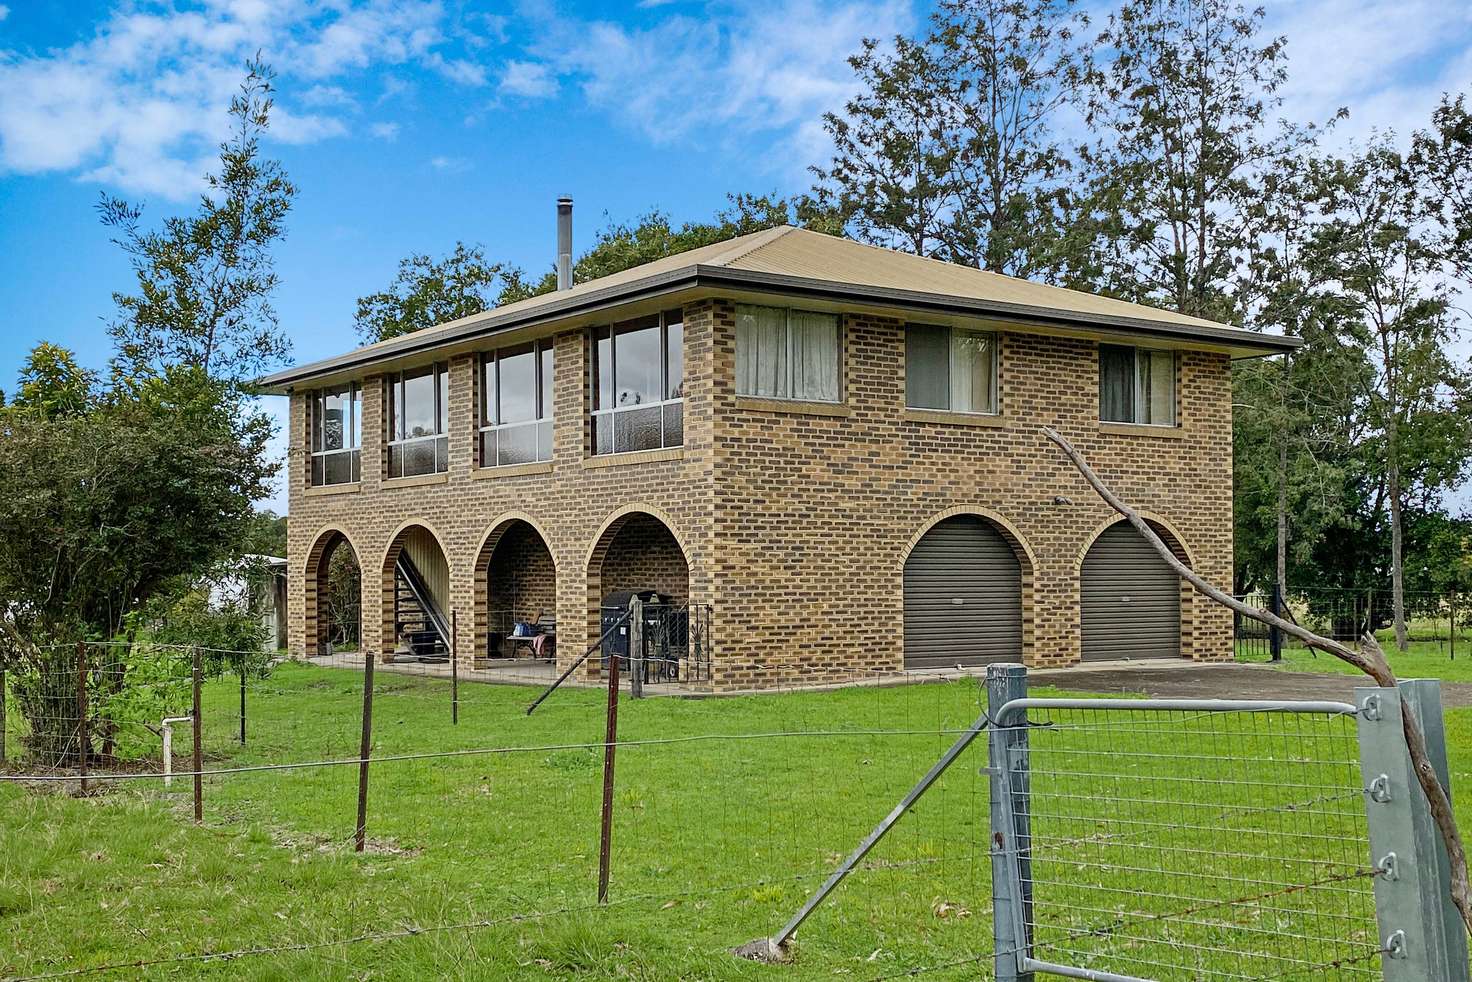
[[417, 618]]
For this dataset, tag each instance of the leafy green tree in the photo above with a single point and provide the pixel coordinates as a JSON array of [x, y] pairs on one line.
[[1183, 141], [204, 281], [427, 292], [949, 148], [107, 509], [1370, 256], [430, 291], [52, 384]]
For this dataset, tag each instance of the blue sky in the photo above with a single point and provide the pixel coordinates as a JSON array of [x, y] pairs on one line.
[[410, 125]]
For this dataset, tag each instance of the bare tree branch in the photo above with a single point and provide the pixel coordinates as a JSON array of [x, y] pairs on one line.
[[1370, 659]]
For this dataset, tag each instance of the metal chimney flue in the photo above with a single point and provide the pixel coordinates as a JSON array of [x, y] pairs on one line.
[[564, 243]]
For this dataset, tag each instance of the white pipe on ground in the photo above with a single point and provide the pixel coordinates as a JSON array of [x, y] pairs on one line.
[[167, 727]]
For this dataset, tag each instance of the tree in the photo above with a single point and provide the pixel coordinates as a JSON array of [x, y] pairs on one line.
[[1183, 144], [204, 281], [106, 509], [52, 384], [427, 292], [1370, 256], [949, 149]]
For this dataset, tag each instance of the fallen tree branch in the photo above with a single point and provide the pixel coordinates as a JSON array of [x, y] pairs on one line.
[[1369, 658]]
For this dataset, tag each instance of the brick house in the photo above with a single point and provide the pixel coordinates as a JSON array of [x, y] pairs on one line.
[[835, 447]]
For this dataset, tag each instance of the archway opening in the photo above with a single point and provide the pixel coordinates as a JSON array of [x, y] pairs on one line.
[[964, 586], [639, 552], [416, 598], [518, 580], [334, 596]]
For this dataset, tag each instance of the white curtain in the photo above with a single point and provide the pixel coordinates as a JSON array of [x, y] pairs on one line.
[[761, 351], [814, 356], [1158, 386], [973, 372]]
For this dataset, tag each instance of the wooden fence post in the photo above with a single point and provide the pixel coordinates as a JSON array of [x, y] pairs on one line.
[[82, 735], [605, 840], [365, 748], [454, 669], [196, 673], [3, 690], [242, 699]]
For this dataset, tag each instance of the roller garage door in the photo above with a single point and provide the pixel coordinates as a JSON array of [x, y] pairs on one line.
[[1131, 599], [963, 597]]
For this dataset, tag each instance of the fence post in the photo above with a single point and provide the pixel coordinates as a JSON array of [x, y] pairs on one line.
[[1454, 626], [83, 737], [605, 840], [1010, 830], [636, 647], [1420, 929], [364, 749], [198, 741], [1275, 636], [454, 669], [242, 699], [3, 691]]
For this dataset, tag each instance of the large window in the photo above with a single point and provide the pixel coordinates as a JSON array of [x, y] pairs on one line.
[[516, 405], [1137, 385], [639, 385], [786, 354], [950, 368], [419, 421], [337, 435]]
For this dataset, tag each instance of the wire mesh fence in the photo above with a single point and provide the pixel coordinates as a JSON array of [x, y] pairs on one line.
[[1200, 845], [1166, 845]]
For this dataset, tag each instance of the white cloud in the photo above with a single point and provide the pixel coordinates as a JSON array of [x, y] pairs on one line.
[[450, 165], [1387, 61], [737, 68], [141, 103], [384, 131], [529, 79], [4, 11]]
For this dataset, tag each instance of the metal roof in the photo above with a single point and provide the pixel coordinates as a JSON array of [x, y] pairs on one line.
[[802, 263]]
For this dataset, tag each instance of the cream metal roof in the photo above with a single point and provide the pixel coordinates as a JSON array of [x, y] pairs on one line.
[[802, 263]]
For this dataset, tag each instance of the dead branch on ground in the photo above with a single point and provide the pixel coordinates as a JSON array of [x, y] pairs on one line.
[[1369, 658]]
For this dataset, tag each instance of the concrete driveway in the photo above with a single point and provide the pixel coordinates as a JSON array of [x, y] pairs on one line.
[[1230, 680]]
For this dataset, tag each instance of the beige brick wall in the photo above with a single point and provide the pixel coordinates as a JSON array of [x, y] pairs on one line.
[[795, 525]]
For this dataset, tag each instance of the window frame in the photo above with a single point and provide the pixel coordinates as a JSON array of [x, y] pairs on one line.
[[791, 363], [353, 430], [1138, 394], [395, 387], [996, 373], [664, 320], [543, 400]]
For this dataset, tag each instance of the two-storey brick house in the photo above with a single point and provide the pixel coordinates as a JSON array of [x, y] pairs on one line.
[[836, 447]]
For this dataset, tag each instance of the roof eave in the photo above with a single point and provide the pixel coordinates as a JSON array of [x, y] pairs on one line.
[[698, 275]]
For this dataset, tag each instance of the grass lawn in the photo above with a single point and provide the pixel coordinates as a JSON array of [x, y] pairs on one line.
[[1424, 660], [716, 841]]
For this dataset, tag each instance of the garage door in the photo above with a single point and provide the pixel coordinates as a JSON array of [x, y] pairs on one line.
[[1131, 599], [963, 597]]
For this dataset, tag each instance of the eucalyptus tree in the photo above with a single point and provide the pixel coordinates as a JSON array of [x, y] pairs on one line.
[[205, 281]]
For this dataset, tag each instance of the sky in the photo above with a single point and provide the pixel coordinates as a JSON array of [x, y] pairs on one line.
[[411, 125]]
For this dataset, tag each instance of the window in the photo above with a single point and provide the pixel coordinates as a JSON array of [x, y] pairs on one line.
[[1137, 385], [786, 354], [516, 405], [950, 368], [639, 385], [337, 435], [419, 421]]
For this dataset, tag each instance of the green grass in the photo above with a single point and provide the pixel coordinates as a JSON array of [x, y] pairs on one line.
[[716, 841], [1424, 660]]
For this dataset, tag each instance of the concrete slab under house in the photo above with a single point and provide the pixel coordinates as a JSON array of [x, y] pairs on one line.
[[818, 458]]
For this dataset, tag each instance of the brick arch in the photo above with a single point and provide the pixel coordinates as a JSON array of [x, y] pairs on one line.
[[481, 570], [386, 638], [324, 544], [1171, 536], [1026, 559], [607, 534]]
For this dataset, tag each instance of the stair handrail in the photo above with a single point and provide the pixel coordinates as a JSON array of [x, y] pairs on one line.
[[420, 589]]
